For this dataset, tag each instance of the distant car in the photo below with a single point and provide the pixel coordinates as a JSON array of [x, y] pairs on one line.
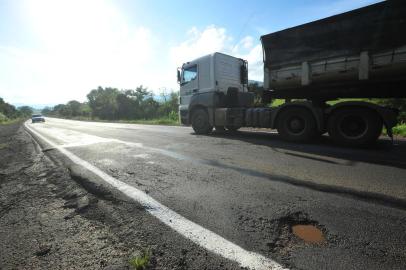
[[37, 118]]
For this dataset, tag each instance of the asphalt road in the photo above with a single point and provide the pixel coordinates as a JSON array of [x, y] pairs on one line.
[[251, 188]]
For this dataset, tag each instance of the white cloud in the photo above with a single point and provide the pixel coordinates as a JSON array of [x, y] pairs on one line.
[[216, 39], [79, 45], [245, 43], [200, 43], [255, 62]]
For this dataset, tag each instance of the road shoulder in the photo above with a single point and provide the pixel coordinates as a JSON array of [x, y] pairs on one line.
[[50, 220]]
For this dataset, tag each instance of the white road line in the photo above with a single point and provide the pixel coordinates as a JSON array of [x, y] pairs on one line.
[[70, 138], [117, 125], [194, 232]]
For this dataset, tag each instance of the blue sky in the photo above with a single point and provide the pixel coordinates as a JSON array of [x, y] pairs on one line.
[[53, 51]]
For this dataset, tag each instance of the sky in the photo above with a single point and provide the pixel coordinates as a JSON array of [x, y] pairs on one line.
[[53, 51]]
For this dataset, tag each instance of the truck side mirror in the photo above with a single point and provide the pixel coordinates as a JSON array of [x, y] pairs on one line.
[[244, 73], [178, 73]]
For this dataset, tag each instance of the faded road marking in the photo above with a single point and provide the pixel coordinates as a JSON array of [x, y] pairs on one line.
[[194, 232], [69, 138], [141, 156]]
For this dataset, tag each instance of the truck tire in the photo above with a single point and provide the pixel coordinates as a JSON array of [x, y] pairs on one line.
[[232, 128], [354, 126], [200, 122], [296, 124], [220, 128]]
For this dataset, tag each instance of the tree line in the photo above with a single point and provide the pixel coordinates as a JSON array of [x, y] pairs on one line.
[[10, 112], [114, 104]]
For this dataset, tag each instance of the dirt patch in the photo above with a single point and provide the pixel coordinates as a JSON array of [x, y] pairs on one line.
[[34, 206], [295, 231], [284, 236], [308, 233], [50, 220]]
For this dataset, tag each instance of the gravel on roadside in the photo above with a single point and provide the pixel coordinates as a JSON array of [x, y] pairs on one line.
[[50, 221]]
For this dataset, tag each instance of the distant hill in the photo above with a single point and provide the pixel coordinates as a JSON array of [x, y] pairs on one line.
[[255, 82], [34, 106]]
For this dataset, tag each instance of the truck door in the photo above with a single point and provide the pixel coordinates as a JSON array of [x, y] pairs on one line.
[[189, 83]]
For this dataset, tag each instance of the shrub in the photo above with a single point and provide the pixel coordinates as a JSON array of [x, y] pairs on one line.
[[3, 118]]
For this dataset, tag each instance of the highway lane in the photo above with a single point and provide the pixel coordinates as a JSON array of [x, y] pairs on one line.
[[251, 188]]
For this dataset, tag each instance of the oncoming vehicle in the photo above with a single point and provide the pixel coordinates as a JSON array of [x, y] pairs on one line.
[[36, 118]]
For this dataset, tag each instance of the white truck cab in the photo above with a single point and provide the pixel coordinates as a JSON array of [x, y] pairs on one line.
[[208, 80]]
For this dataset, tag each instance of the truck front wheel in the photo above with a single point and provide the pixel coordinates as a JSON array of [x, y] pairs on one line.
[[296, 124], [353, 126], [200, 122], [220, 128], [232, 128]]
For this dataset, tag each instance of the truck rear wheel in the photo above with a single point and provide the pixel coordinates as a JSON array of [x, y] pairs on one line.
[[296, 124], [354, 126], [200, 122]]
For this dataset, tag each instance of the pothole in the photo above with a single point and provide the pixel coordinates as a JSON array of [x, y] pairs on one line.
[[294, 231], [309, 233]]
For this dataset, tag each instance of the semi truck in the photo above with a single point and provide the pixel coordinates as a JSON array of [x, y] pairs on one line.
[[360, 54]]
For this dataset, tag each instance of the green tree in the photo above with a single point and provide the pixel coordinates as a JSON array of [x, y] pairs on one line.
[[26, 111], [47, 111], [3, 118], [73, 108], [139, 103], [258, 91], [8, 110], [111, 104], [169, 105], [149, 108], [85, 110], [127, 105], [103, 103], [61, 110]]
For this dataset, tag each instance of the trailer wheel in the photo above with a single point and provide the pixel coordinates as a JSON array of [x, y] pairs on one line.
[[296, 124], [200, 122], [353, 126]]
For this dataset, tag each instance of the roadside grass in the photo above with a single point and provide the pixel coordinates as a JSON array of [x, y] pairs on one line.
[[10, 121], [159, 121], [278, 102], [141, 262], [333, 102], [400, 130], [3, 145]]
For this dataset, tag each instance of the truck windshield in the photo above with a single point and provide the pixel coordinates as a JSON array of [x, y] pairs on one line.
[[189, 74]]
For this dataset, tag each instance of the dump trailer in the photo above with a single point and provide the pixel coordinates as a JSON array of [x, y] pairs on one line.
[[357, 54]]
